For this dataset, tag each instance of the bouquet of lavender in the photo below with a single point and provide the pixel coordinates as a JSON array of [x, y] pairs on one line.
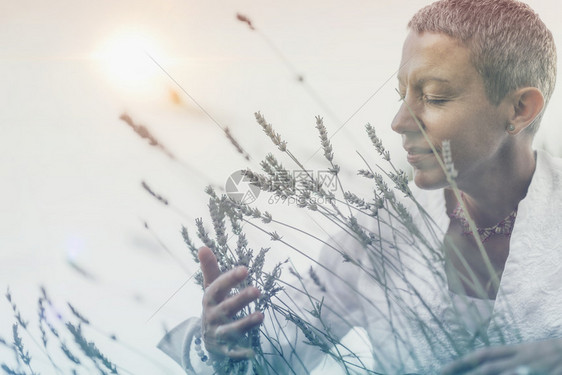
[[397, 249]]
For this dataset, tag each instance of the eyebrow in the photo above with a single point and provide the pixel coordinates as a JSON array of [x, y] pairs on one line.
[[422, 81]]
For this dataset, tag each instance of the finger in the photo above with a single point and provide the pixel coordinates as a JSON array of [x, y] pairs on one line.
[[237, 352], [219, 351], [221, 286], [231, 333], [228, 308], [209, 266], [458, 367], [231, 306], [226, 339], [475, 359], [494, 368]]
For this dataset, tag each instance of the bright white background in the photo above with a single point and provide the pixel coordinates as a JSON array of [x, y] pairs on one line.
[[70, 170]]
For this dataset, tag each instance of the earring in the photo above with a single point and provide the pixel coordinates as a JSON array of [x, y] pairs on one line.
[[510, 127]]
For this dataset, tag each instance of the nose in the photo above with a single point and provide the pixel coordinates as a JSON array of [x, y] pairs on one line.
[[404, 120]]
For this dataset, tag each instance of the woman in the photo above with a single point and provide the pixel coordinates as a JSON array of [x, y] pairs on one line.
[[478, 74]]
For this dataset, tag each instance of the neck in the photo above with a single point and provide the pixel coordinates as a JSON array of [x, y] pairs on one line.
[[497, 189]]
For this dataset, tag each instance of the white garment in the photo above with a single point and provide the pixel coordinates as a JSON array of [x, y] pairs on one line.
[[528, 302], [475, 313]]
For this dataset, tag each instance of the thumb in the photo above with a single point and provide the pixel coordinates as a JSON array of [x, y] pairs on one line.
[[209, 265]]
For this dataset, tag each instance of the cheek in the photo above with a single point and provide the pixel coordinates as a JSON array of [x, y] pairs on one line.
[[441, 125], [460, 128]]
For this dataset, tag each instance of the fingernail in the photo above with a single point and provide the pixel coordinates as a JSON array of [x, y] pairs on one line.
[[257, 317], [241, 271]]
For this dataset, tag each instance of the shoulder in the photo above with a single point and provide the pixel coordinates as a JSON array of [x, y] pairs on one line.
[[538, 214]]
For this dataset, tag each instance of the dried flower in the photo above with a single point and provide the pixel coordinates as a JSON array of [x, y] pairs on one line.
[[77, 314], [144, 133], [217, 216], [268, 129], [324, 141], [377, 142], [275, 236], [448, 159], [191, 246], [316, 279], [158, 197], [356, 228], [89, 348], [18, 343], [266, 218], [73, 358], [400, 180], [245, 19], [203, 235], [259, 180], [235, 143], [365, 173]]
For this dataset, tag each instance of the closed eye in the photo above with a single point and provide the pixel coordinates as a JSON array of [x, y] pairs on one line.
[[433, 100]]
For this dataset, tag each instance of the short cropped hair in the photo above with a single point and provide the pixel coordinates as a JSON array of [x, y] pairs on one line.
[[510, 46]]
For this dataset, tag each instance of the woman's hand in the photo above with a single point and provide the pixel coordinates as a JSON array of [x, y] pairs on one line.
[[539, 357], [221, 333]]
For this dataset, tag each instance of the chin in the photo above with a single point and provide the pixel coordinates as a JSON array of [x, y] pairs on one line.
[[430, 180]]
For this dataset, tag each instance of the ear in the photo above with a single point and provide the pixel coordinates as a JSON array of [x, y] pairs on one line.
[[526, 104]]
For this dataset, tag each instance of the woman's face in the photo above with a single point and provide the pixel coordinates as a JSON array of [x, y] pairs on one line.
[[446, 94]]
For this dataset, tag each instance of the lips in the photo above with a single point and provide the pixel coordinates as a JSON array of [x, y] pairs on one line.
[[418, 154]]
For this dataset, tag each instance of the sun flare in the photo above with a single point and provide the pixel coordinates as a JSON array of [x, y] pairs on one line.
[[126, 61]]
